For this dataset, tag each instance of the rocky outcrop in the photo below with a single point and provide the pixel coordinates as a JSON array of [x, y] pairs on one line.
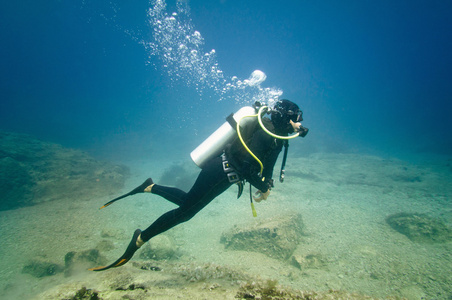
[[33, 171], [420, 228], [183, 281], [275, 237]]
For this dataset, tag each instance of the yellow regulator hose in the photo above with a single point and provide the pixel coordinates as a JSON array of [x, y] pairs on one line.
[[254, 156], [244, 144]]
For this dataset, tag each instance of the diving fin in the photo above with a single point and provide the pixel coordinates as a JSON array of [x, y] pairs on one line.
[[138, 189], [130, 251]]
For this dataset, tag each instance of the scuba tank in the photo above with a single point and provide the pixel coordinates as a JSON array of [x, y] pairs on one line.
[[217, 141]]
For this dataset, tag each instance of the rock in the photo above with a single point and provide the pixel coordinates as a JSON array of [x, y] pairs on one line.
[[297, 261], [87, 294], [33, 171], [420, 227], [160, 247], [275, 237], [40, 267], [77, 261], [310, 261], [179, 280], [71, 291]]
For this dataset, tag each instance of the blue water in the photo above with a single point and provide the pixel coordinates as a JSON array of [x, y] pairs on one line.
[[143, 83], [97, 75]]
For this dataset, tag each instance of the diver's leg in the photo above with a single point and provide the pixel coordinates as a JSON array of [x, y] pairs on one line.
[[171, 194], [211, 182]]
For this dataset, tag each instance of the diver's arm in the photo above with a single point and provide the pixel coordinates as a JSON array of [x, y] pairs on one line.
[[270, 162], [259, 145], [251, 174]]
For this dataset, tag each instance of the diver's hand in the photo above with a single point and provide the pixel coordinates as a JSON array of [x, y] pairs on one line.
[[302, 131], [296, 126], [262, 196]]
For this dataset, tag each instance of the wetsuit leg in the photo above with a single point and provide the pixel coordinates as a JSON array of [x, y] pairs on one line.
[[171, 194], [211, 182]]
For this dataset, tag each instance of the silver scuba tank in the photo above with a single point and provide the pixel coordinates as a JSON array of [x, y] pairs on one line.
[[217, 141]]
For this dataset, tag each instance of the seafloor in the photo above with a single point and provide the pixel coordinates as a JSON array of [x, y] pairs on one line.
[[372, 227]]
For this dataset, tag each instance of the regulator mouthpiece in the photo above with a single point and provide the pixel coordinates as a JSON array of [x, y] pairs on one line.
[[303, 131]]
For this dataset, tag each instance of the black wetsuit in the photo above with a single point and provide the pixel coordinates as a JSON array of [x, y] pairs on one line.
[[212, 180]]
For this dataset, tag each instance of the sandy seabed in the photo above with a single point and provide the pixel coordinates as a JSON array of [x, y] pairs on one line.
[[349, 249]]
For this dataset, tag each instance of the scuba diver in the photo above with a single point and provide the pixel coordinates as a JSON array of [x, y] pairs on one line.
[[245, 148]]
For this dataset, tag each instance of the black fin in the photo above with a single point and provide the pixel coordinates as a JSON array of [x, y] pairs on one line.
[[138, 189], [130, 251]]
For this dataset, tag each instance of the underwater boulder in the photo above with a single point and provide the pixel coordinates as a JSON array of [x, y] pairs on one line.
[[160, 247], [275, 237], [40, 267], [420, 227]]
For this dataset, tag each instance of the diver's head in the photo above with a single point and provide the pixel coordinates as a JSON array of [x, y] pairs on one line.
[[283, 112]]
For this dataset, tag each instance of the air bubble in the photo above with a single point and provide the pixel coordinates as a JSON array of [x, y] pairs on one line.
[[179, 47]]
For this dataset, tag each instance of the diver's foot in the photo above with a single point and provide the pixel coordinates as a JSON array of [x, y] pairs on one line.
[[145, 187], [139, 241], [134, 245]]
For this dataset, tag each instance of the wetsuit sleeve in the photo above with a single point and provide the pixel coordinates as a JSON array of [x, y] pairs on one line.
[[256, 181], [260, 145], [270, 162]]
